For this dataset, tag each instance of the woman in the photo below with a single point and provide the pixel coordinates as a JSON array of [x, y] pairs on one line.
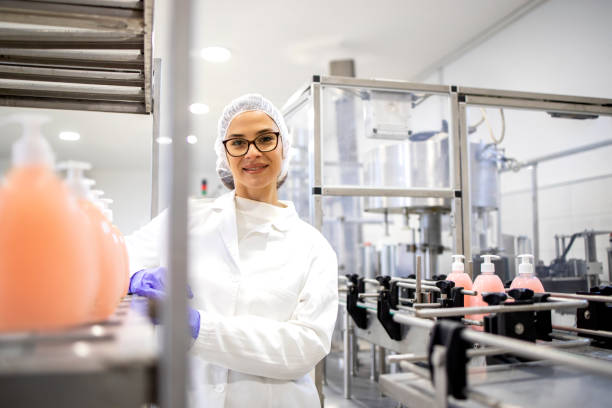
[[264, 281]]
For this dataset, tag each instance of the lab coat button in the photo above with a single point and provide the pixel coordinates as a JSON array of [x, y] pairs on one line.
[[220, 388]]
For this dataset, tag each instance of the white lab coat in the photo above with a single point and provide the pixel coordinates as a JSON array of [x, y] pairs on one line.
[[264, 325]]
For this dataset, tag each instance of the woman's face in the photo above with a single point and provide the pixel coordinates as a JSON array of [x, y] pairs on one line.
[[254, 170]]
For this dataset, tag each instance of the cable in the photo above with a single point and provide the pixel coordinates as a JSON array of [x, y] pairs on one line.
[[503, 129]]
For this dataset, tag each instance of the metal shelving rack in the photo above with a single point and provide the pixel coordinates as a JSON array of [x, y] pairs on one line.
[[86, 55], [77, 54]]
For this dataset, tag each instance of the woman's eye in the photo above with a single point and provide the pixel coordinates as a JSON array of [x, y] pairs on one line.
[[266, 139], [237, 143]]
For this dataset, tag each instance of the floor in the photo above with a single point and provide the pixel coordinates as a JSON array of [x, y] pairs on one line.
[[364, 392]]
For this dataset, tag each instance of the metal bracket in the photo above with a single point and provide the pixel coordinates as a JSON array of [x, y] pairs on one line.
[[448, 334], [359, 315], [383, 309]]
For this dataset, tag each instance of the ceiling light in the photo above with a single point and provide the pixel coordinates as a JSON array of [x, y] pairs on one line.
[[215, 54], [164, 140], [192, 139], [199, 108], [69, 136]]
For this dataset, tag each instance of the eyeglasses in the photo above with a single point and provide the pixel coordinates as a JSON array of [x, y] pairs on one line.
[[238, 146]]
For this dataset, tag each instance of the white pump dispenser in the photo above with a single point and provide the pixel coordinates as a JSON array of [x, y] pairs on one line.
[[487, 266], [75, 178], [32, 148], [457, 265], [525, 267]]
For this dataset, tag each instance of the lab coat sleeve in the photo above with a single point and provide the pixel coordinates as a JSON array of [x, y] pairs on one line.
[[284, 350], [144, 246]]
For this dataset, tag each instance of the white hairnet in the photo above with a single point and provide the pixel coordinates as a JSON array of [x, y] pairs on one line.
[[249, 102]]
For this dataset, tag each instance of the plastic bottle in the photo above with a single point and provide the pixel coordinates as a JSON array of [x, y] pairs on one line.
[[461, 278], [109, 265], [46, 249], [526, 278], [487, 281], [120, 245]]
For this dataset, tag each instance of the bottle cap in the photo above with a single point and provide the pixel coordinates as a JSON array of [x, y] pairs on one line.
[[457, 265], [31, 148], [487, 266], [525, 267], [75, 178]]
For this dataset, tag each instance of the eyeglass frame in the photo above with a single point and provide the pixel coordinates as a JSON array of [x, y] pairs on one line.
[[251, 142]]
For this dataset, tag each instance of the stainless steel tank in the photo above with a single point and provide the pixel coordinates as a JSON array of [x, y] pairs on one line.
[[424, 164], [408, 164], [484, 178]]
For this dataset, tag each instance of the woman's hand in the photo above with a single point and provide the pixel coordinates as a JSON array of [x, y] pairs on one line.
[[151, 283]]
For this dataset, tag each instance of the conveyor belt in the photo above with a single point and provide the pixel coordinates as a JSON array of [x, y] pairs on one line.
[[535, 384], [110, 364]]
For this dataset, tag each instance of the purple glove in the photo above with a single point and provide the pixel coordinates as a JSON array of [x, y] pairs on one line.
[[194, 322], [151, 283]]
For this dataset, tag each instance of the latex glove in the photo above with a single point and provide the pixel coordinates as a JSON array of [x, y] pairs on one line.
[[151, 283], [194, 322]]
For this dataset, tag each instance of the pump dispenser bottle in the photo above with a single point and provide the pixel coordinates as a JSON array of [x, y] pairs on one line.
[[46, 250], [110, 264], [526, 278], [487, 281], [461, 278]]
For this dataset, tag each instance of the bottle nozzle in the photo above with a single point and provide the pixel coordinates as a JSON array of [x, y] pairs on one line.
[[526, 267], [487, 266], [75, 178], [457, 264]]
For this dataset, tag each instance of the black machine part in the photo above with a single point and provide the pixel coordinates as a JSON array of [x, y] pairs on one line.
[[448, 333], [528, 325], [597, 316], [359, 315]]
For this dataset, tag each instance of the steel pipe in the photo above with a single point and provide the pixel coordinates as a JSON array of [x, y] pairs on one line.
[[519, 347], [460, 311], [601, 333], [423, 287]]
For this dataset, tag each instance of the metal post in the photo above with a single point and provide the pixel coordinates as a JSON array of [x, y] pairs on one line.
[[440, 383], [317, 159], [455, 174], [466, 206], [418, 296], [347, 355], [154, 144], [316, 207], [557, 249], [535, 216], [173, 379], [373, 374]]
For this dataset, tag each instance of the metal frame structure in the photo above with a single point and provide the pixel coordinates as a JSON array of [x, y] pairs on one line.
[[461, 98]]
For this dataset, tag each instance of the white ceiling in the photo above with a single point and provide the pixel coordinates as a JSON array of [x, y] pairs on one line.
[[277, 45]]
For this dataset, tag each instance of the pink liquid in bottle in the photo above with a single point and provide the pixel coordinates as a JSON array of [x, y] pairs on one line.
[[526, 279], [487, 281], [461, 278]]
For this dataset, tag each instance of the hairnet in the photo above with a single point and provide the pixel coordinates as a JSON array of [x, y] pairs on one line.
[[249, 102]]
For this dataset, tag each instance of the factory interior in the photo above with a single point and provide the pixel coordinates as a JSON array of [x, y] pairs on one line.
[[454, 155]]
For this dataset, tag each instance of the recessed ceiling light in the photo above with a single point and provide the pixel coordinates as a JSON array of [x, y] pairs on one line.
[[69, 136], [215, 54], [164, 140], [192, 139], [199, 108]]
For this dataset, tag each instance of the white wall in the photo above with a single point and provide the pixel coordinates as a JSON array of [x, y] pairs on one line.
[[561, 47]]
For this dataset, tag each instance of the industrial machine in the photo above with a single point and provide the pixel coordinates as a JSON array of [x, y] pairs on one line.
[[403, 175]]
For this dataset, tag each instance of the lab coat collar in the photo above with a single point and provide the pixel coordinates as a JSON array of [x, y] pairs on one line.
[[227, 202]]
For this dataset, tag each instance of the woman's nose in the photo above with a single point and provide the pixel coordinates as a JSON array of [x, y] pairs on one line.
[[252, 152]]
